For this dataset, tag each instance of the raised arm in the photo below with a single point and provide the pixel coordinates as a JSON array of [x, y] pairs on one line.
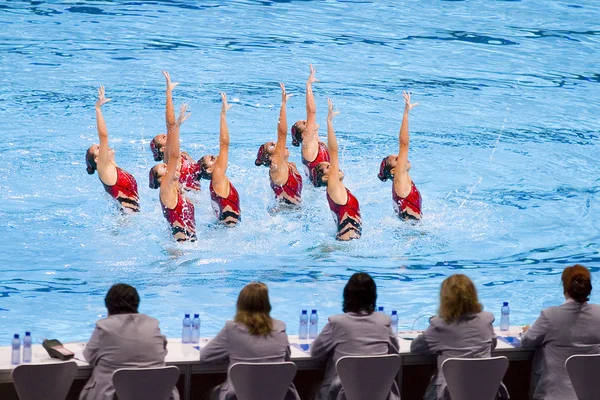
[[403, 137], [106, 171], [311, 108], [170, 112], [223, 158], [335, 188], [279, 155]]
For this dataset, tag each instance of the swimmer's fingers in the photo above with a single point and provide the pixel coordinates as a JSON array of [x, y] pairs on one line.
[[183, 113], [331, 113], [101, 99], [226, 106], [170, 85], [284, 95], [311, 77]]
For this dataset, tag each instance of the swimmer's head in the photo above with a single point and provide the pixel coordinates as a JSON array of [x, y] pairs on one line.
[[91, 158], [156, 175], [157, 145], [265, 154], [320, 174], [387, 166], [207, 164], [297, 130]]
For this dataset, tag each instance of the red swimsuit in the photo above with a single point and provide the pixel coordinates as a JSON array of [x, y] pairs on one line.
[[125, 190], [188, 174], [181, 218], [322, 156], [292, 189], [347, 216], [412, 202], [234, 214]]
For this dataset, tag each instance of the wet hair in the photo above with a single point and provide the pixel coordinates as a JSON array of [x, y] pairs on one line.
[[458, 298], [90, 161], [262, 157], [153, 177], [360, 294], [157, 149], [254, 308], [122, 299], [296, 135], [577, 283], [203, 173], [316, 175], [385, 171]]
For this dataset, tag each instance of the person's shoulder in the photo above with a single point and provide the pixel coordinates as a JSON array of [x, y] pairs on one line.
[[278, 326], [486, 316], [338, 318]]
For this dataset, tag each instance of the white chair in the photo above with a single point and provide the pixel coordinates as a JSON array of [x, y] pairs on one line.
[[262, 381], [584, 370], [474, 378], [368, 377], [145, 383], [44, 381]]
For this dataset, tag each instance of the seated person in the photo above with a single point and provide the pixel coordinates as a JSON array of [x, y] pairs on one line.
[[560, 332], [124, 339], [252, 336], [461, 329], [359, 331]]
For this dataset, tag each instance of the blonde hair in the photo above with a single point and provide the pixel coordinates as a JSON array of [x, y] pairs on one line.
[[253, 309], [458, 298]]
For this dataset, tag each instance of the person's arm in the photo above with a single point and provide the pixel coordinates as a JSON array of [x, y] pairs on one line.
[[536, 335], [170, 113], [219, 179], [427, 342], [91, 353], [400, 171], [106, 171], [311, 108], [335, 188], [279, 170], [217, 349], [324, 343]]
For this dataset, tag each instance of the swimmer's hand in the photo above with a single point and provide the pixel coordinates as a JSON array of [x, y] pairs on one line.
[[226, 106], [311, 77], [101, 99], [407, 105], [331, 113], [284, 95], [183, 114], [170, 85]]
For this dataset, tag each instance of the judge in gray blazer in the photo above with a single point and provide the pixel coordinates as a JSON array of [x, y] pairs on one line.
[[563, 331], [359, 331], [461, 329], [124, 339], [252, 336]]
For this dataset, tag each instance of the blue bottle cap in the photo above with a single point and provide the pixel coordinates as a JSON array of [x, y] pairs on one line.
[[314, 311], [303, 311], [27, 333], [196, 315], [504, 304], [379, 308], [187, 315], [394, 312], [16, 336]]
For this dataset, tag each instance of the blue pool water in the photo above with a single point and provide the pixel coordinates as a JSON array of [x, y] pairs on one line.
[[504, 149]]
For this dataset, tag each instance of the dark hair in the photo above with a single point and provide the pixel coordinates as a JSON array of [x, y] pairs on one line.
[[203, 174], [360, 293], [296, 134], [254, 308], [122, 299], [262, 157], [316, 175], [153, 178], [577, 283], [90, 161], [385, 171], [157, 149]]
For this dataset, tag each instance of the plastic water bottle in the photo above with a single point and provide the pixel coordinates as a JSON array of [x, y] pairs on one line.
[[186, 331], [16, 350], [27, 347], [379, 309], [313, 329], [303, 332], [394, 319], [504, 317], [196, 328]]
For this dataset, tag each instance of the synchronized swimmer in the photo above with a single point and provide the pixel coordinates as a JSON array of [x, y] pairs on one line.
[[179, 173]]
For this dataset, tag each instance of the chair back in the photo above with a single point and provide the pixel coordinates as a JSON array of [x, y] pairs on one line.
[[584, 370], [262, 381], [368, 377], [44, 381], [474, 378], [145, 383]]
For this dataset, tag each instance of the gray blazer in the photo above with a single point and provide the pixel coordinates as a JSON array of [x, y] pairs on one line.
[[234, 344], [559, 333], [122, 341], [470, 337], [352, 334]]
